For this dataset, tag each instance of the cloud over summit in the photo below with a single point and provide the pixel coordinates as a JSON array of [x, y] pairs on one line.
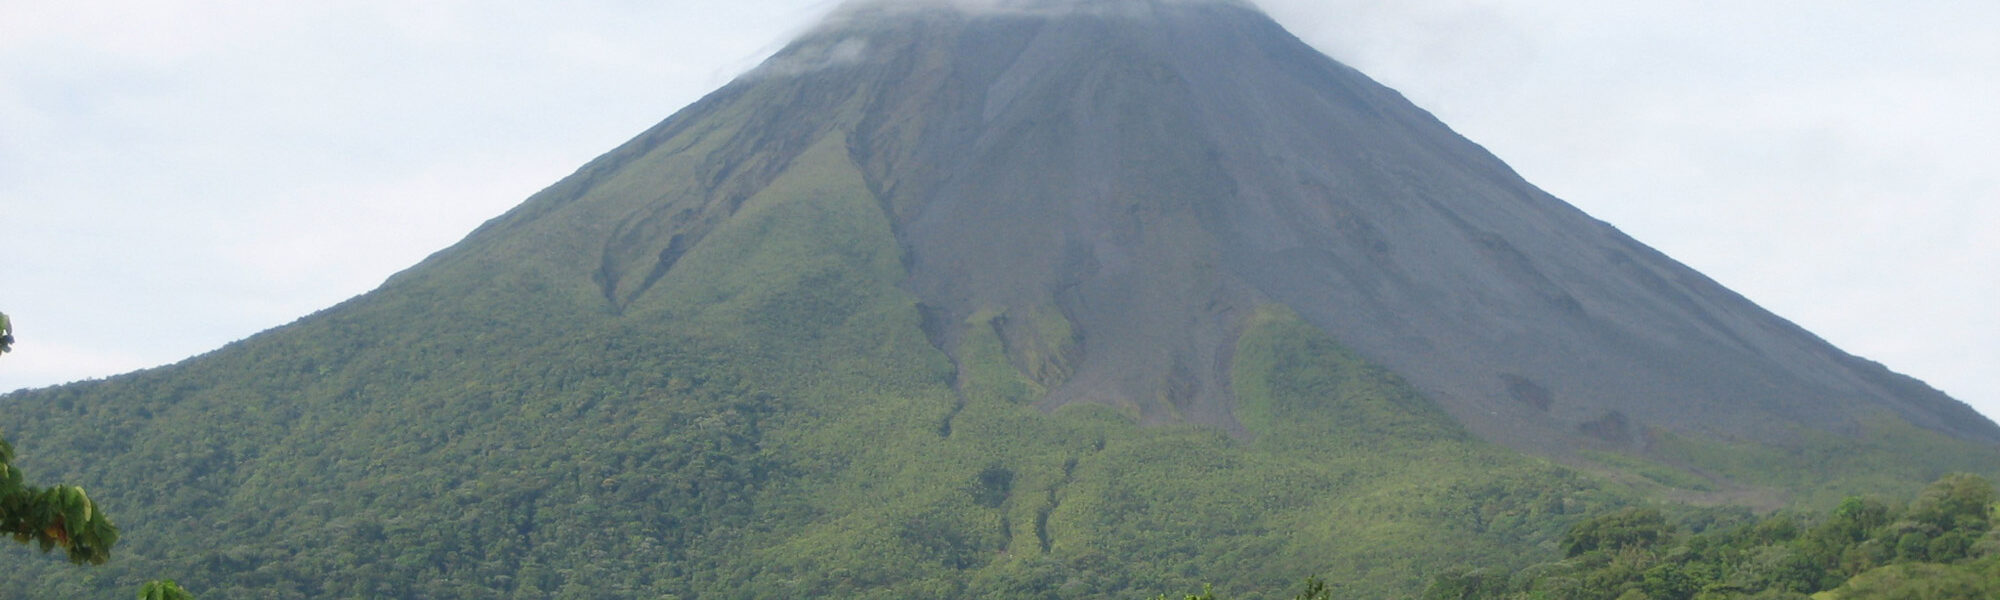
[[862, 8]]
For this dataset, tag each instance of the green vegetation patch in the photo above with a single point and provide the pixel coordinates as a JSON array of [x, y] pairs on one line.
[[1295, 384], [987, 373], [1887, 457], [1941, 545], [1656, 472]]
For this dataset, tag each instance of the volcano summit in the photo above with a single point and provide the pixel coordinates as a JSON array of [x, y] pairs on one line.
[[1017, 299]]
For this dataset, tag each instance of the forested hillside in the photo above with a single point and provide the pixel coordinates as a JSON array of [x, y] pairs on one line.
[[667, 469], [642, 472], [1939, 546]]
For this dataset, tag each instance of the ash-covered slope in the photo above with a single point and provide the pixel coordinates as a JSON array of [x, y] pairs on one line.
[[1113, 186]]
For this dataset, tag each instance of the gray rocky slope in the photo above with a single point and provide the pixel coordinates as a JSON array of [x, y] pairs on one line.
[[1123, 183]]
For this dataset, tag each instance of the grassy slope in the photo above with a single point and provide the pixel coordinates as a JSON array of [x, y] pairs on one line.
[[1888, 457]]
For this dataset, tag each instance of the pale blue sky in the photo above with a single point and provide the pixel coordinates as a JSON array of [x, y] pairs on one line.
[[178, 174]]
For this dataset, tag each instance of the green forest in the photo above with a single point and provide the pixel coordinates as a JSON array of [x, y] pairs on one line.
[[715, 484], [1940, 545]]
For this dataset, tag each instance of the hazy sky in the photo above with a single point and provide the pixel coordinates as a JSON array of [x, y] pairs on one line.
[[178, 174]]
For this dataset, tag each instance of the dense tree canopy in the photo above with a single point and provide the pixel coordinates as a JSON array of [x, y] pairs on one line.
[[1940, 545]]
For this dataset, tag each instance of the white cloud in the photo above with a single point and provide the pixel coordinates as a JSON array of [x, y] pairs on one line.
[[803, 60], [1029, 7]]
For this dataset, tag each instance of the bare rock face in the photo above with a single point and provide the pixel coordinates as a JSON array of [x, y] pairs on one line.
[[1113, 187]]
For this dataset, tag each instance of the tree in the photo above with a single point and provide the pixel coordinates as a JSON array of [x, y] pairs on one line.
[[1631, 527], [1958, 501], [62, 516], [164, 589]]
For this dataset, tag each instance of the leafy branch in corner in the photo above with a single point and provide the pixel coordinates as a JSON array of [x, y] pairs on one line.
[[61, 516]]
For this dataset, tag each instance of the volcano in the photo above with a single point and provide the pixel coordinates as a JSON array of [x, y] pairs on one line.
[[1114, 187], [1027, 299]]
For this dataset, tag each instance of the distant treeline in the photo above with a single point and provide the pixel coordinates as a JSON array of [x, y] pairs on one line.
[[1940, 545]]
